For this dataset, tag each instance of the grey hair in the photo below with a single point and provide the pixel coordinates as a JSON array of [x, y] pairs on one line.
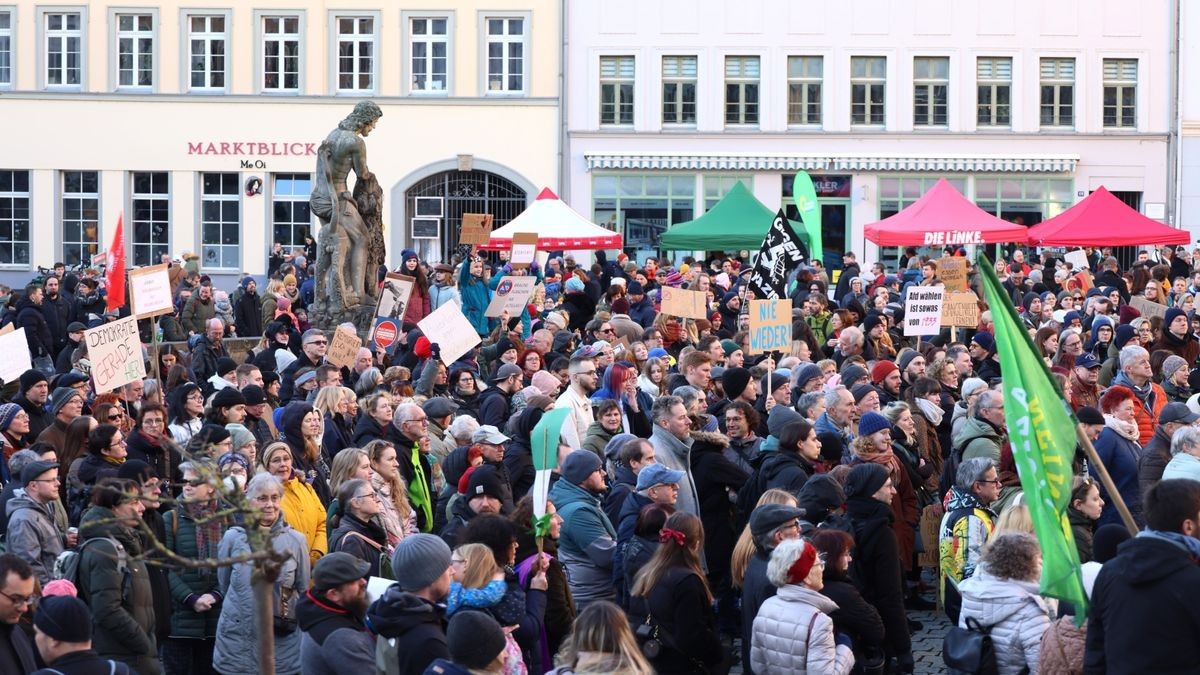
[[263, 483], [463, 427], [21, 459], [1185, 439], [662, 407], [687, 393], [833, 396], [782, 558], [990, 398], [367, 381], [1131, 353], [405, 412], [972, 471], [805, 403], [853, 335]]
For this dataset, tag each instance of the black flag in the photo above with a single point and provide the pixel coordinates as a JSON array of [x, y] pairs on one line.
[[782, 252]]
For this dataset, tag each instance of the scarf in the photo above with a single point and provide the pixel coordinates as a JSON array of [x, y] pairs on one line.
[[885, 458], [418, 489], [932, 411], [1189, 544], [208, 531], [1143, 393], [1125, 429]]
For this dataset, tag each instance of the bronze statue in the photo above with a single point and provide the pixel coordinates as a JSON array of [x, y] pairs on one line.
[[350, 244]]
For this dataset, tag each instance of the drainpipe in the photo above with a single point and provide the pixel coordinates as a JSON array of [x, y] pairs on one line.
[[564, 184], [1174, 151]]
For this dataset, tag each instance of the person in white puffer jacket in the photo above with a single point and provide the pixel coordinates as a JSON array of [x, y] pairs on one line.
[[1003, 595], [793, 634]]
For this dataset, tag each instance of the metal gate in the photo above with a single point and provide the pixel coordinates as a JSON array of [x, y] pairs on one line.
[[460, 192]]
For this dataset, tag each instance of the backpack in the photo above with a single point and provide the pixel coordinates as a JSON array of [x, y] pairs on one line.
[[969, 651], [66, 565], [79, 498]]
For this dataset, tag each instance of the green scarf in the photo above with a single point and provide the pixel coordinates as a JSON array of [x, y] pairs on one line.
[[418, 490]]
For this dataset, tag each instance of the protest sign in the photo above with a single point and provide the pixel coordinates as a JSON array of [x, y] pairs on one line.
[[385, 334], [512, 294], [953, 273], [923, 310], [393, 299], [343, 348], [524, 249], [1148, 308], [961, 309], [620, 346], [450, 330], [680, 302], [14, 354], [1078, 260], [476, 228], [770, 326], [116, 354], [150, 289]]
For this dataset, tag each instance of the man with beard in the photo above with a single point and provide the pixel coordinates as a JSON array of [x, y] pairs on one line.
[[208, 351], [88, 300], [584, 380], [247, 309], [59, 310], [37, 331], [257, 414], [887, 379], [1083, 383], [484, 495], [331, 613]]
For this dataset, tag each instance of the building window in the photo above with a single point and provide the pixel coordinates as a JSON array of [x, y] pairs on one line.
[[1058, 92], [356, 54], [868, 85], [616, 89], [716, 186], [220, 220], [207, 40], [151, 216], [679, 90], [643, 206], [429, 53], [135, 50], [741, 90], [14, 217], [1025, 201], [994, 92], [805, 74], [291, 218], [5, 48], [1120, 92], [80, 216], [931, 91], [505, 55], [64, 49], [898, 192], [281, 53]]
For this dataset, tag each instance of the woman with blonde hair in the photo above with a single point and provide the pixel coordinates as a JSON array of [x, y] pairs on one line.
[[348, 464], [398, 516], [601, 642], [300, 503], [479, 584]]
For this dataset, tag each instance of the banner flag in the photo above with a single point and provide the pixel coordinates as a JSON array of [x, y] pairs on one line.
[[781, 253], [805, 197]]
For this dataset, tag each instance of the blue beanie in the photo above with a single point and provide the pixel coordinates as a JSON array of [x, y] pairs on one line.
[[406, 254], [246, 281], [575, 285], [1172, 314], [872, 422], [984, 340]]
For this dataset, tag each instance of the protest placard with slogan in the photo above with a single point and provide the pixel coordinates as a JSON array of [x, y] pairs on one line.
[[770, 326], [150, 291], [923, 310], [512, 293], [1078, 259], [1148, 308], [14, 355], [953, 273], [385, 334], [680, 302], [961, 309], [393, 299], [343, 348], [116, 354], [476, 228], [524, 249], [450, 331]]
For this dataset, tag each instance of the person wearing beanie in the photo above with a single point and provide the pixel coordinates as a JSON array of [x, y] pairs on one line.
[[1176, 337], [409, 616], [64, 636], [808, 379], [66, 403], [972, 387], [588, 539], [1124, 335], [739, 385], [866, 398], [34, 393], [331, 615], [14, 434], [227, 406], [247, 308], [1175, 376], [485, 493], [886, 377], [476, 643], [225, 375], [770, 525]]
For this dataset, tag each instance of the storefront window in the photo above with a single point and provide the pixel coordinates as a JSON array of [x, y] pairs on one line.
[[897, 192], [716, 186], [1027, 201], [642, 206]]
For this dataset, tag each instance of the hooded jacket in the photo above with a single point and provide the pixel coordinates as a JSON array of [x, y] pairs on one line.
[[411, 630], [475, 299], [966, 527], [876, 568], [518, 453], [1017, 615], [334, 640], [315, 473], [33, 536], [37, 331], [587, 542], [979, 438], [793, 635], [642, 312], [440, 294]]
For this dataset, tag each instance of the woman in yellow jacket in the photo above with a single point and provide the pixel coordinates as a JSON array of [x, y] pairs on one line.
[[301, 506]]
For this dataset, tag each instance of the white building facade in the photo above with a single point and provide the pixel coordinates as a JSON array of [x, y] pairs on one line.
[[1025, 107]]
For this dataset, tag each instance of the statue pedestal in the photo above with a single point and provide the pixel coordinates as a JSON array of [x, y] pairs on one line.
[[325, 317]]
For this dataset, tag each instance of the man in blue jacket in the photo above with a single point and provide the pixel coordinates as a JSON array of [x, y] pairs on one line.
[[588, 539]]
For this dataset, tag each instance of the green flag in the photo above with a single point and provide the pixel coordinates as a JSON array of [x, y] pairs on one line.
[[805, 197], [1041, 429], [544, 439]]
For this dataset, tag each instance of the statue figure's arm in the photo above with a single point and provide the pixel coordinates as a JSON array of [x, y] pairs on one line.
[[359, 156]]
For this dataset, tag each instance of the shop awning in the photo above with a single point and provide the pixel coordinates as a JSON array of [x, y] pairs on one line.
[[943, 217], [1100, 219], [732, 161], [739, 221], [558, 226]]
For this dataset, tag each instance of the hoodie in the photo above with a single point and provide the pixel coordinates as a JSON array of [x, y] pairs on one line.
[[334, 641], [412, 631], [315, 473]]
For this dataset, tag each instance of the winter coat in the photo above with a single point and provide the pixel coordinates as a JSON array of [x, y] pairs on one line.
[[196, 314], [784, 470], [302, 507], [961, 538], [475, 299], [1062, 648], [1182, 465], [854, 616], [518, 454], [39, 417], [18, 654], [37, 331], [596, 438], [1120, 456], [676, 454], [365, 540], [33, 536], [411, 630], [163, 456], [587, 542], [121, 600], [204, 358], [440, 294], [334, 641], [236, 651], [59, 312], [717, 480], [1017, 615], [978, 438], [418, 306], [367, 430], [1082, 529], [793, 634], [743, 452], [681, 609], [188, 584], [1145, 409], [247, 315], [642, 312], [494, 407], [560, 613], [877, 571], [314, 472], [337, 437], [619, 488]]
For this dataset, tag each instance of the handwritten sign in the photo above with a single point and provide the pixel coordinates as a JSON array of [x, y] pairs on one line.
[[14, 355], [1148, 308], [953, 273], [680, 302], [770, 326], [393, 300], [512, 294], [150, 291], [343, 348], [524, 249], [923, 310], [116, 354], [450, 331], [476, 228], [961, 309], [1078, 260]]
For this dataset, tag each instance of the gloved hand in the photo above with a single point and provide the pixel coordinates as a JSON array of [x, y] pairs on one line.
[[843, 639], [435, 350]]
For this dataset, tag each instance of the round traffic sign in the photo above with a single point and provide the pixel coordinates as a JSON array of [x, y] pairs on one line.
[[386, 333]]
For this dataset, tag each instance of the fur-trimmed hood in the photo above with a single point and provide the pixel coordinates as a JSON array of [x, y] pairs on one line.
[[708, 440]]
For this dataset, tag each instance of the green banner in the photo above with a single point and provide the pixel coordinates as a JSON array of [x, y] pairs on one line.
[[1041, 429], [544, 439], [805, 197]]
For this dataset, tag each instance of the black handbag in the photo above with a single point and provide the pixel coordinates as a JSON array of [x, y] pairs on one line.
[[969, 651]]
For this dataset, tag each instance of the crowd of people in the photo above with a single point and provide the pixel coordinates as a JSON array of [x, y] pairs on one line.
[[710, 506]]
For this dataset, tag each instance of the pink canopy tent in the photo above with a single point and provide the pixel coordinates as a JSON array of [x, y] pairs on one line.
[[1100, 219], [558, 227], [943, 217]]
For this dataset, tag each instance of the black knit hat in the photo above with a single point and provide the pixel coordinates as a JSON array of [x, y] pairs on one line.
[[865, 480], [64, 618], [474, 639], [227, 398], [31, 377], [735, 381], [225, 365]]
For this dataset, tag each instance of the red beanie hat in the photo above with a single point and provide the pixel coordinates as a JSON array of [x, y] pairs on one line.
[[799, 570], [882, 369], [421, 348]]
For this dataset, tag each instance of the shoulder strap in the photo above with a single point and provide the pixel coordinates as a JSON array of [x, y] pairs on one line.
[[811, 622], [373, 544]]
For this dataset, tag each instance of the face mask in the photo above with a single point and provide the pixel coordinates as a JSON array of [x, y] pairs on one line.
[[235, 483]]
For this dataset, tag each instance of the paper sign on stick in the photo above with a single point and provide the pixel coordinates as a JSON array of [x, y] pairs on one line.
[[953, 273], [512, 294], [116, 354], [923, 310], [343, 348], [524, 249], [476, 228], [393, 299], [14, 355], [1078, 260], [1148, 308], [447, 327], [770, 326], [150, 291], [961, 309], [684, 303]]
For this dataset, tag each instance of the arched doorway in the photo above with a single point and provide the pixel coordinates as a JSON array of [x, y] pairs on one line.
[[436, 204]]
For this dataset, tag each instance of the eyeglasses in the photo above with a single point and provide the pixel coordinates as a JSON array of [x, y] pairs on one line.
[[118, 444], [422, 420], [21, 600], [373, 495], [317, 342], [606, 330], [994, 481], [195, 482]]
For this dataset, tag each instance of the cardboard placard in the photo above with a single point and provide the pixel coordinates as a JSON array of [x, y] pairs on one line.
[[770, 326], [931, 523], [343, 348], [14, 354], [684, 303], [447, 327], [524, 249], [512, 294], [620, 347], [116, 354], [476, 228], [393, 299], [923, 310], [1148, 308], [150, 291], [953, 273], [961, 309], [1078, 260]]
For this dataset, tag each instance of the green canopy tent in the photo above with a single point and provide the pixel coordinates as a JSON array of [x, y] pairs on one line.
[[738, 222]]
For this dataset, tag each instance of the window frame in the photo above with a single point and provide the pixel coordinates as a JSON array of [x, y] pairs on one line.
[[291, 199], [680, 80], [11, 34], [260, 52], [743, 83], [994, 84], [1119, 87], [116, 35], [1057, 83], [131, 238], [27, 195], [869, 82], [526, 58], [618, 82], [805, 81], [221, 198], [334, 16], [409, 39], [930, 84], [43, 53], [63, 196], [185, 43]]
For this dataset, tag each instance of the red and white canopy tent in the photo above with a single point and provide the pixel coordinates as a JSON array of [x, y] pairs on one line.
[[1101, 219], [558, 228], [943, 217]]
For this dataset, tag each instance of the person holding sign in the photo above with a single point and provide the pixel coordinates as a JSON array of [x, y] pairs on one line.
[[475, 293], [419, 305]]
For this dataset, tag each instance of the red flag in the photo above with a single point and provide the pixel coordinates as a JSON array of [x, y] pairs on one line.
[[115, 275]]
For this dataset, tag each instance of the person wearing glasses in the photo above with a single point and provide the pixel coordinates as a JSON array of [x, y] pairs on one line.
[[32, 534], [17, 588], [356, 527], [313, 345], [967, 526]]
